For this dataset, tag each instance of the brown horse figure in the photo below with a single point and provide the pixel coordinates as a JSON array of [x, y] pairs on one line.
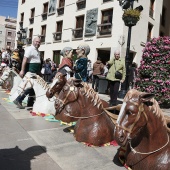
[[66, 114], [93, 126], [142, 127], [71, 111]]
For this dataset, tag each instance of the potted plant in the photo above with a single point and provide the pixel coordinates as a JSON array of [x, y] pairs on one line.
[[131, 17]]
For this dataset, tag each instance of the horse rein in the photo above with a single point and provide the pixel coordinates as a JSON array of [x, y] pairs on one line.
[[130, 129], [28, 81], [145, 153]]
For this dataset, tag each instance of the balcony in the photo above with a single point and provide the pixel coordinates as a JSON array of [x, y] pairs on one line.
[[57, 36], [31, 20], [10, 26], [60, 10], [29, 40], [78, 33], [81, 4], [42, 38], [44, 16], [151, 12], [104, 29]]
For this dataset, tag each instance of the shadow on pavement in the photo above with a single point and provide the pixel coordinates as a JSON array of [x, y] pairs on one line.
[[116, 160], [15, 158]]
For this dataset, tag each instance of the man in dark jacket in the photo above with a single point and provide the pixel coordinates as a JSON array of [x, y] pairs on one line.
[[98, 69]]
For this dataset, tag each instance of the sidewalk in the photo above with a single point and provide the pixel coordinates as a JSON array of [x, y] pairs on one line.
[[31, 142]]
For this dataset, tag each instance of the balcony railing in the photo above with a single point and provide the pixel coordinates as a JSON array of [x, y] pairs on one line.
[[44, 16], [81, 4], [21, 24], [29, 40], [106, 1], [31, 20], [10, 26], [57, 36], [151, 11], [42, 38], [105, 29], [60, 10], [78, 33]]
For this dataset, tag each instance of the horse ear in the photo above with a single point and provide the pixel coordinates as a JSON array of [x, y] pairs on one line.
[[145, 97], [77, 82]]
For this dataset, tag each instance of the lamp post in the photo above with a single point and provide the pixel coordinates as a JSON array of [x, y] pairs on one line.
[[21, 35], [130, 22]]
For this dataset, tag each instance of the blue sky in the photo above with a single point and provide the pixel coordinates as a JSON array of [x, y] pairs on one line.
[[8, 8]]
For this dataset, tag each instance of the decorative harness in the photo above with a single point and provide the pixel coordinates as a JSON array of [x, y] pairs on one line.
[[62, 102]]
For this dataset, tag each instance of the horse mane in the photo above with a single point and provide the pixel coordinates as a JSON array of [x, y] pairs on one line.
[[90, 93], [42, 82], [154, 108]]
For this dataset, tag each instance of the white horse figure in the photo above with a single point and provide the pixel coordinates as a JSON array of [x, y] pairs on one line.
[[11, 75], [42, 104]]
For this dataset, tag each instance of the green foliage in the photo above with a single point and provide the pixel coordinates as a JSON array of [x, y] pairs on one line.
[[131, 13]]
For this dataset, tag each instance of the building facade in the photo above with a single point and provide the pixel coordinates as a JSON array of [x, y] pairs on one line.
[[99, 23], [7, 32]]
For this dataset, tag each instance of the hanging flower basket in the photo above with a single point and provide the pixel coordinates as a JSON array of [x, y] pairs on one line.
[[130, 21], [131, 17]]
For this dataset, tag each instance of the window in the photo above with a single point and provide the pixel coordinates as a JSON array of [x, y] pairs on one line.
[[8, 44], [161, 34], [78, 32], [29, 39], [42, 54], [0, 32], [23, 1], [60, 10], [61, 3], [150, 27], [32, 16], [43, 33], [105, 27], [45, 11], [57, 35], [81, 4], [151, 11], [22, 17], [9, 34], [163, 18], [56, 57]]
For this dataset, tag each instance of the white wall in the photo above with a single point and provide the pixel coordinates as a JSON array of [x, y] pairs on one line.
[[139, 32]]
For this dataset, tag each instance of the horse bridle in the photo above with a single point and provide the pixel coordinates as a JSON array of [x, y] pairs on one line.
[[28, 81], [62, 103], [130, 129], [3, 79]]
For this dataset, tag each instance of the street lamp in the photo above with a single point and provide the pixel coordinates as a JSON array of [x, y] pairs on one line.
[[129, 21]]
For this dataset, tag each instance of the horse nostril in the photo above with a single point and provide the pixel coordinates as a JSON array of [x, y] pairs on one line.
[[121, 138]]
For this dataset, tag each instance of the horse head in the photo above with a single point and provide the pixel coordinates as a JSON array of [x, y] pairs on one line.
[[68, 94], [5, 75], [132, 117], [27, 82], [58, 82]]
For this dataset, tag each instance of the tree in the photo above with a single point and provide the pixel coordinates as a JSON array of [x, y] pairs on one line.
[[153, 75]]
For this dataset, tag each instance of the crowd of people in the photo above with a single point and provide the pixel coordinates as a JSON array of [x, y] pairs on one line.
[[82, 68]]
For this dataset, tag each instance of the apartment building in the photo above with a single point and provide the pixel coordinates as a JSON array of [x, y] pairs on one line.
[[99, 23], [7, 32]]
